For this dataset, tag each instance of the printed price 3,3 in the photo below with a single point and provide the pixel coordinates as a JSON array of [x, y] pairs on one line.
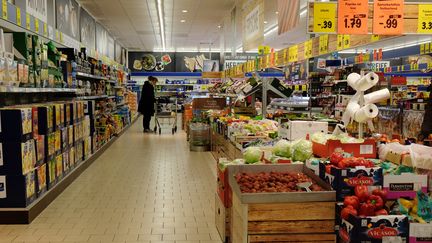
[[426, 25]]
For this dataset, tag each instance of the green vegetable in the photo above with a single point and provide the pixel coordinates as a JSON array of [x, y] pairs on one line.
[[302, 150], [282, 148], [252, 155]]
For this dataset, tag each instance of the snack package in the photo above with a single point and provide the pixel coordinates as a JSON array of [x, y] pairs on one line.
[[412, 122]]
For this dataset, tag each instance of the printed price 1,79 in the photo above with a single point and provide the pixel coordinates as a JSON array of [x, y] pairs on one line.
[[353, 22]]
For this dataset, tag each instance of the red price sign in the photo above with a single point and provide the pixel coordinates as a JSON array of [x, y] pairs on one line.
[[353, 17], [388, 17]]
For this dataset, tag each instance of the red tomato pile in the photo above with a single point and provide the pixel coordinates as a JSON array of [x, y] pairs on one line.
[[364, 204], [274, 182]]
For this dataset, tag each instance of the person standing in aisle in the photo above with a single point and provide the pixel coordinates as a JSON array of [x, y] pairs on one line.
[[147, 102]]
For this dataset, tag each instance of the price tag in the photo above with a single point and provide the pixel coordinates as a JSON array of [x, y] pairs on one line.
[[308, 49], [375, 38], [285, 52], [353, 16], [323, 44], [427, 48], [18, 16], [57, 36], [45, 29], [422, 49], [388, 17], [324, 17], [346, 41], [293, 53], [61, 37], [5, 9], [340, 40], [28, 21], [424, 19], [276, 59], [36, 25]]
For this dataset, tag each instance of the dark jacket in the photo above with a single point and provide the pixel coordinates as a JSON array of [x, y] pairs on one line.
[[426, 128], [146, 104]]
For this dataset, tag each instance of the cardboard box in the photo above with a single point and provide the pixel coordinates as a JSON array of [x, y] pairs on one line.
[[367, 149], [343, 181], [17, 191], [51, 173], [59, 166], [17, 158], [45, 119], [293, 130], [16, 124], [40, 149], [41, 179], [420, 233], [375, 229], [223, 188], [66, 163], [404, 185]]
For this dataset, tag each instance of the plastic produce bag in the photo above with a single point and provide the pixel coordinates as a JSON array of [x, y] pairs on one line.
[[412, 122]]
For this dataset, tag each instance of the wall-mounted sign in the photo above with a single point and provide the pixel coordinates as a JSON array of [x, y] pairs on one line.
[[324, 17], [101, 40], [424, 25], [388, 17], [38, 8], [232, 63], [88, 30], [67, 12], [353, 16]]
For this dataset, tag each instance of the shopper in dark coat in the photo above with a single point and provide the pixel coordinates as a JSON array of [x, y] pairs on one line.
[[426, 128], [147, 101]]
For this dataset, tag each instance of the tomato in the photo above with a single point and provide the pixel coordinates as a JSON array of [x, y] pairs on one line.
[[347, 211], [335, 158], [351, 201]]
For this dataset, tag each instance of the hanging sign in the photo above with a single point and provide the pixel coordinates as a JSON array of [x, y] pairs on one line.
[[424, 25], [285, 55], [339, 42], [308, 49], [18, 16], [346, 41], [388, 17], [353, 16], [324, 17], [293, 53], [323, 44], [5, 9]]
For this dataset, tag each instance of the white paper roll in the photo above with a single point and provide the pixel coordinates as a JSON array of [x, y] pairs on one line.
[[366, 113], [377, 96], [350, 110], [362, 83]]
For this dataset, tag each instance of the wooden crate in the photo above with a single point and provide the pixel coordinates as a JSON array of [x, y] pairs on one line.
[[281, 217], [222, 219]]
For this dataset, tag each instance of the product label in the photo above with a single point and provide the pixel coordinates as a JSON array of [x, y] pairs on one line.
[[401, 187], [3, 187], [360, 180], [388, 17], [28, 21], [424, 19], [353, 16], [324, 17], [366, 149], [1, 155], [382, 232], [18, 16], [5, 9]]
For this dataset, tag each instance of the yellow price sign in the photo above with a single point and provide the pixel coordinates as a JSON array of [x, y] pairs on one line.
[[5, 9], [346, 41], [36, 25], [28, 21], [308, 49], [45, 29], [375, 38], [294, 53], [422, 49], [427, 48], [276, 59], [18, 16], [285, 54], [323, 44], [57, 36], [340, 42], [424, 24], [324, 17]]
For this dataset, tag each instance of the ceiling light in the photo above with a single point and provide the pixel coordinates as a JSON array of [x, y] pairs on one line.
[[265, 22], [270, 30], [219, 26], [276, 12], [183, 20], [184, 11], [161, 23]]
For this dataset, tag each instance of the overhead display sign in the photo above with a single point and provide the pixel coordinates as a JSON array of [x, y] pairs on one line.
[[101, 40], [308, 49], [324, 20], [424, 19], [37, 8], [67, 12], [353, 16], [88, 29], [253, 24], [388, 17]]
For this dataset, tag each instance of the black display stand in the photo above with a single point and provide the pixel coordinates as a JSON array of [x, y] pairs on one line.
[[28, 214]]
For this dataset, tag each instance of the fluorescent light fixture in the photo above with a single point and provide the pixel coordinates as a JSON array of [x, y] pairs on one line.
[[219, 26], [265, 22], [161, 23], [270, 30], [184, 11], [276, 12], [303, 12], [182, 20]]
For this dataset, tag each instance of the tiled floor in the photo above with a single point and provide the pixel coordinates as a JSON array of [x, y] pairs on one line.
[[144, 188]]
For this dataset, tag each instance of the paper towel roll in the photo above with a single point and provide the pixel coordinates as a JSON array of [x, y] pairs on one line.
[[377, 96], [367, 112], [350, 110], [362, 83]]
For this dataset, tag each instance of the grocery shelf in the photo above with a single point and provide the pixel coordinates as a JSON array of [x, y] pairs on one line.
[[89, 76], [178, 84], [95, 97], [28, 214], [5, 89]]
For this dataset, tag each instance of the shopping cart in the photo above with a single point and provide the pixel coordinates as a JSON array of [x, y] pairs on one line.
[[166, 114]]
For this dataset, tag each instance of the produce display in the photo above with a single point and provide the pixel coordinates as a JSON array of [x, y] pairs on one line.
[[252, 127], [275, 182], [419, 209], [364, 203]]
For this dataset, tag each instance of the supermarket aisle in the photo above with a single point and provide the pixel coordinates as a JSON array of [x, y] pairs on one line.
[[144, 188]]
